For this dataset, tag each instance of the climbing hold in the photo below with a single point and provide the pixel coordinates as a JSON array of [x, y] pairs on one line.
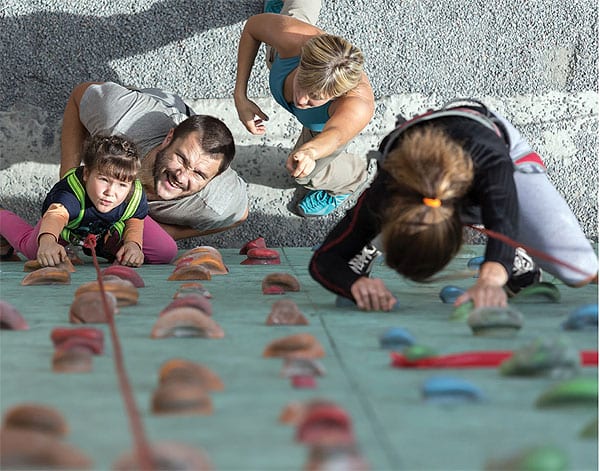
[[495, 321], [30, 449], [590, 430], [125, 273], [88, 308], [325, 424], [181, 398], [554, 357], [123, 290], [186, 371], [74, 360], [450, 390], [38, 417], [193, 287], [213, 262], [261, 256], [416, 352], [535, 292], [303, 382], [461, 312], [395, 338], [11, 318], [581, 390], [475, 262], [47, 276], [258, 243], [186, 322], [583, 318], [192, 300], [285, 312], [302, 345], [302, 367], [190, 272], [283, 281], [87, 339], [448, 294], [33, 265], [544, 457]]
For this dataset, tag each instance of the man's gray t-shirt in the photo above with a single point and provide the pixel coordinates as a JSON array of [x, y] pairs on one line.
[[145, 117]]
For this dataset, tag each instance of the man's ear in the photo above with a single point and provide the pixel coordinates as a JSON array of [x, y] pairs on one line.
[[168, 138]]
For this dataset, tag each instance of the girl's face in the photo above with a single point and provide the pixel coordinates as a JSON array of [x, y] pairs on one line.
[[105, 192], [303, 100]]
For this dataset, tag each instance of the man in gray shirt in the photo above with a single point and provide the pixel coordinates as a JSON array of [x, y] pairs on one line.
[[192, 190]]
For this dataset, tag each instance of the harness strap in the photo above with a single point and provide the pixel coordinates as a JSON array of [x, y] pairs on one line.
[[132, 207], [79, 191], [484, 118]]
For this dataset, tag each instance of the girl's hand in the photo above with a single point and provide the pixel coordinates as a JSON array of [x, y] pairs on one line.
[[50, 253], [371, 294], [488, 291], [484, 295], [130, 254], [251, 116]]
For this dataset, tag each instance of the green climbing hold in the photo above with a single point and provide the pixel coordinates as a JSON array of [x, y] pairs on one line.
[[540, 458], [416, 352], [542, 290], [577, 391], [461, 313]]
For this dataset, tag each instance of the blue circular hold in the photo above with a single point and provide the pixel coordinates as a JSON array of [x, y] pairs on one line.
[[450, 390], [448, 294], [475, 262], [582, 318], [396, 338]]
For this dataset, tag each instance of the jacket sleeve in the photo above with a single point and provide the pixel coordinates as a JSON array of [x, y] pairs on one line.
[[330, 264], [497, 194], [134, 231], [54, 220]]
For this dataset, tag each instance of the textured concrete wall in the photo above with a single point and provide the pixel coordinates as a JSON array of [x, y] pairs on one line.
[[535, 61]]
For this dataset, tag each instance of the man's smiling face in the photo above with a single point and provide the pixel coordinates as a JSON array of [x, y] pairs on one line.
[[183, 168]]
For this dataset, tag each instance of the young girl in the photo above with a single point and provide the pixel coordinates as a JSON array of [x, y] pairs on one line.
[[102, 197], [459, 165]]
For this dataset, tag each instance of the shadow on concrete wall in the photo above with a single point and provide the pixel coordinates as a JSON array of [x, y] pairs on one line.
[[45, 54]]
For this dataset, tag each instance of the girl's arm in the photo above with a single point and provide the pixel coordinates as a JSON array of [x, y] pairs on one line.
[[50, 252]]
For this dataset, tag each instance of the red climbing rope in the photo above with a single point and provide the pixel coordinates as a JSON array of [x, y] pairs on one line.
[[530, 250], [135, 421]]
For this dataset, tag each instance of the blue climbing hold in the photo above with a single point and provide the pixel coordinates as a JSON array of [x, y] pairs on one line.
[[450, 390], [475, 262], [448, 294], [396, 338], [583, 318]]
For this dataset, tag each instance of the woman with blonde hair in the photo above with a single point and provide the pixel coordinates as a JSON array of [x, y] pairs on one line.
[[459, 165], [319, 78]]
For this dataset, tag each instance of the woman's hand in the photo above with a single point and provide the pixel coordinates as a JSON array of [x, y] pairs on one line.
[[130, 254], [371, 294], [50, 253], [251, 116], [300, 163], [488, 291]]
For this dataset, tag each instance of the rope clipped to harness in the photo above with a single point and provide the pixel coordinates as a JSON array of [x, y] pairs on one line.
[[135, 421], [530, 250]]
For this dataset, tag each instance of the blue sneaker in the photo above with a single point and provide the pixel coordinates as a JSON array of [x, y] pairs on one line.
[[319, 203], [273, 6]]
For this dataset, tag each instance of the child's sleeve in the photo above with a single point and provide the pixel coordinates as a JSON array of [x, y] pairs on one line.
[[54, 220], [134, 231]]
